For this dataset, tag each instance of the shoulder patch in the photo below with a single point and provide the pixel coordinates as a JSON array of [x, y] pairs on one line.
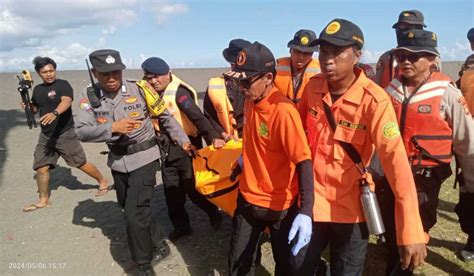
[[390, 130]]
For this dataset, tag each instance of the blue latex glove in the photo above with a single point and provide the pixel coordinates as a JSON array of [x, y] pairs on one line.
[[303, 225]]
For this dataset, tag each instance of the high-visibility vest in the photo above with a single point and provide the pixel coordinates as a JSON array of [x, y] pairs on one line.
[[217, 92], [284, 77], [169, 96], [426, 135], [467, 88]]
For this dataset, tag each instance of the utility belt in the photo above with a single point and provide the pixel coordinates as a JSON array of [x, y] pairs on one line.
[[133, 148]]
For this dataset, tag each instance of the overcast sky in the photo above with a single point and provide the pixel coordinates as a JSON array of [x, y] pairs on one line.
[[193, 33]]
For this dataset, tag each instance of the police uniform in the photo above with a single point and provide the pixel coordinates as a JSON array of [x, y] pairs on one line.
[[364, 118], [286, 81], [434, 121], [133, 157], [177, 172]]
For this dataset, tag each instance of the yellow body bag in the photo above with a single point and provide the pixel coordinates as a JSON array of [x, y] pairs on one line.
[[212, 170]]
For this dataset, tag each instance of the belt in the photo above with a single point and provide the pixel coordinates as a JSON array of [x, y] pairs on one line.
[[133, 148]]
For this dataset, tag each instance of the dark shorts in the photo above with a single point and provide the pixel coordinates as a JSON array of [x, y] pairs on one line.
[[67, 145]]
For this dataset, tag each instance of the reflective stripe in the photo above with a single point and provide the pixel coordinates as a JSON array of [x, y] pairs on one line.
[[283, 68], [216, 86], [394, 93], [312, 70], [427, 95]]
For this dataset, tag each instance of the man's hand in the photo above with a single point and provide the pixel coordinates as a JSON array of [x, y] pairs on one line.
[[125, 126], [412, 255], [47, 118], [218, 143], [303, 225], [190, 149]]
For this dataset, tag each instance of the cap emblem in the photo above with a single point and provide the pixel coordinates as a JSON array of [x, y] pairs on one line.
[[411, 35], [406, 14], [110, 59], [304, 40], [241, 58], [433, 36], [333, 27]]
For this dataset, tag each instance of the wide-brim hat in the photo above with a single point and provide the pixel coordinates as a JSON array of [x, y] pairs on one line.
[[418, 41]]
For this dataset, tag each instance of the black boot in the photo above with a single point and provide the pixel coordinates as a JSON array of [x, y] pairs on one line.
[[178, 233], [467, 254], [145, 270]]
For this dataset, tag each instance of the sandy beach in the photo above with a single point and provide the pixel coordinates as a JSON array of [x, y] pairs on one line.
[[80, 234]]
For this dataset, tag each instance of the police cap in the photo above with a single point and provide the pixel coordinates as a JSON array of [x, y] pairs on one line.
[[106, 60]]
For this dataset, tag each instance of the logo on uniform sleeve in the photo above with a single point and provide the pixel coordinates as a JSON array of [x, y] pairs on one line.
[[390, 130], [425, 109], [263, 130], [130, 100], [84, 104]]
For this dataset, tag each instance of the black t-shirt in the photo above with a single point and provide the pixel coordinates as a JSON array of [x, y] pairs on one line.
[[47, 97]]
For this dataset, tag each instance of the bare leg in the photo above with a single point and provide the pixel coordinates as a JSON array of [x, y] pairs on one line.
[[93, 172], [42, 180]]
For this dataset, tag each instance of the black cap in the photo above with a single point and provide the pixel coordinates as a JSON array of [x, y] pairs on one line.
[[235, 46], [302, 40], [341, 32], [106, 60], [412, 17], [252, 60], [470, 35], [418, 41], [155, 65]]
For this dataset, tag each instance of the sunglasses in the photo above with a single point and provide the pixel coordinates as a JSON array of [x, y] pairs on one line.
[[247, 83], [410, 57]]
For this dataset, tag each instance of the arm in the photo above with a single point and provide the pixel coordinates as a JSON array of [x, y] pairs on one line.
[[462, 123], [211, 114], [186, 104], [87, 129], [65, 104], [391, 151], [174, 129]]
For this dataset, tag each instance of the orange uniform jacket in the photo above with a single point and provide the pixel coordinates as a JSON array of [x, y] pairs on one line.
[[284, 79], [365, 118], [273, 143]]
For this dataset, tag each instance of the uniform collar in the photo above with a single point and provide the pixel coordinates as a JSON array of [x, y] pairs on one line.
[[354, 93], [265, 103]]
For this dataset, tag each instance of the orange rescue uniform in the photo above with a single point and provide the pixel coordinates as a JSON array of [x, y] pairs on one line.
[[273, 143], [284, 77], [365, 118]]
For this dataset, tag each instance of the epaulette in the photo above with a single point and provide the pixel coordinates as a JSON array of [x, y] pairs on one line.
[[377, 92], [132, 80]]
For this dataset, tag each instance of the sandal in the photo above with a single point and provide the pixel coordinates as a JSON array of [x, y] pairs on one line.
[[33, 207]]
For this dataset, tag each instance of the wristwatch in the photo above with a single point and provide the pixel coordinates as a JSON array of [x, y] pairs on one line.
[[56, 113]]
